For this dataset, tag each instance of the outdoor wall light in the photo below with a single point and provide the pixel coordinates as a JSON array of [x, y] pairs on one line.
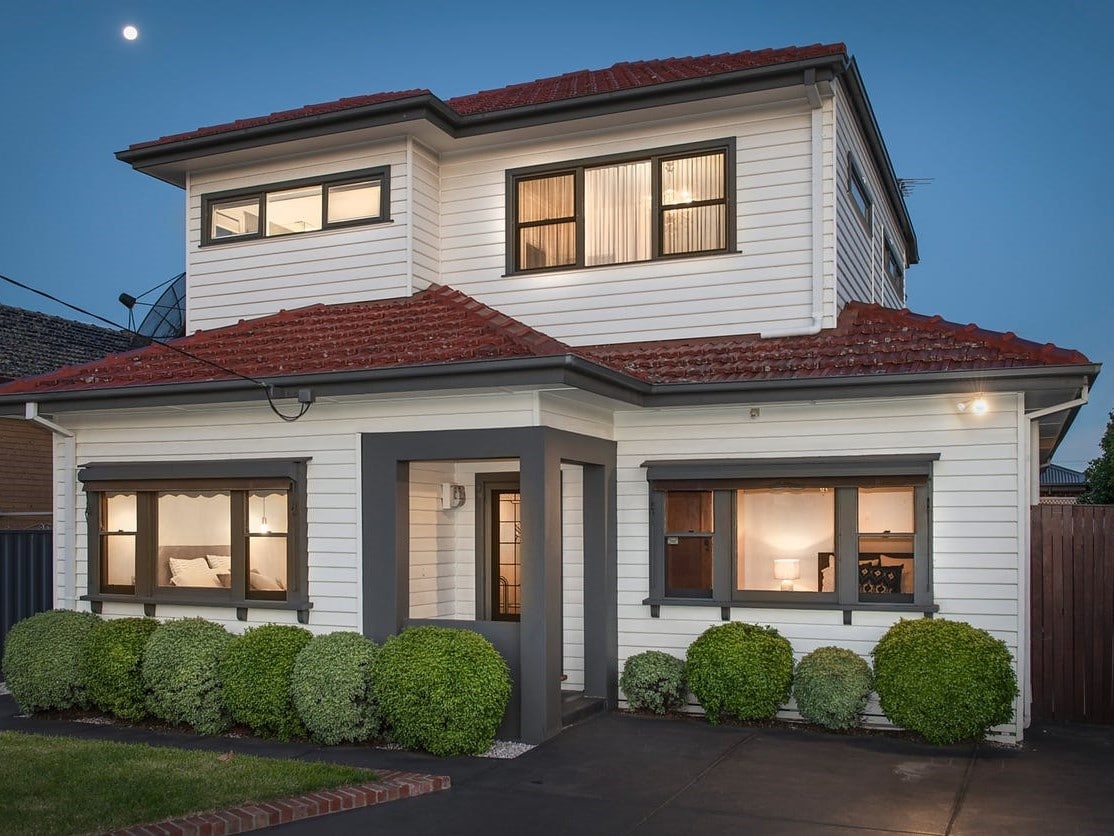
[[975, 406]]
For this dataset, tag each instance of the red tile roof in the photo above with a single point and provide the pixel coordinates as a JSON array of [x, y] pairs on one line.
[[623, 76], [867, 340], [437, 325], [442, 325]]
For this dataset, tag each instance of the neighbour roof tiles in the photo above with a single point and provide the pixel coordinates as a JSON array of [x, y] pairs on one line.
[[442, 325], [623, 76], [35, 343]]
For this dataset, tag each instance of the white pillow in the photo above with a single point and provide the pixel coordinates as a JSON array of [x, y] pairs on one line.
[[183, 564], [219, 562], [263, 582], [195, 575]]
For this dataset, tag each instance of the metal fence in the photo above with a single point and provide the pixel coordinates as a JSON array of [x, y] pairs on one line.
[[25, 576]]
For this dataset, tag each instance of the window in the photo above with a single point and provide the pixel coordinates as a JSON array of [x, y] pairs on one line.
[[895, 270], [350, 199], [665, 204], [201, 533], [855, 535], [857, 191]]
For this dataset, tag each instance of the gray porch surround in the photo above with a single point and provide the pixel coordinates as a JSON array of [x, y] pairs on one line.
[[533, 646]]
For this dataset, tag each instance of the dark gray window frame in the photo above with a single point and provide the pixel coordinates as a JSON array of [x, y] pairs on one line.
[[239, 476], [844, 473], [896, 277], [485, 579], [856, 181], [380, 173], [655, 156]]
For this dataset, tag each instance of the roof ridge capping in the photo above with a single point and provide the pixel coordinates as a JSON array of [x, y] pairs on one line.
[[518, 332]]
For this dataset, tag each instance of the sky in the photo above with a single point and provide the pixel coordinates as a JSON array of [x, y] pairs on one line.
[[1002, 104]]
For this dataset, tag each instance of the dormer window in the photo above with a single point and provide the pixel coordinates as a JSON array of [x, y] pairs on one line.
[[619, 210], [351, 199]]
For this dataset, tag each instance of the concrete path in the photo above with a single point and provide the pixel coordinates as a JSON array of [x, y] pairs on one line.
[[618, 773]]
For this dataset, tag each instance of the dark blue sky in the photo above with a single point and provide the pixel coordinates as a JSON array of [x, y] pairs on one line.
[[1004, 104]]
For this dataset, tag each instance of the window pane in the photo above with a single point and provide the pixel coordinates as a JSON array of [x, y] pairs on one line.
[[267, 512], [618, 213], [194, 538], [886, 526], [884, 510], [693, 229], [119, 559], [230, 218], [353, 201], [786, 540], [294, 210], [267, 565], [119, 512], [688, 511], [546, 198], [692, 178], [551, 245], [688, 567]]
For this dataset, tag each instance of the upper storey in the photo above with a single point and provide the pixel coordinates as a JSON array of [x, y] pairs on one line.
[[741, 193]]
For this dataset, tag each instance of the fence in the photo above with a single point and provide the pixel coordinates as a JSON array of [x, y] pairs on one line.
[[26, 585], [1072, 609]]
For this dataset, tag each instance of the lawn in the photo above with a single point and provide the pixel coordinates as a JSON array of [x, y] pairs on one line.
[[57, 785]]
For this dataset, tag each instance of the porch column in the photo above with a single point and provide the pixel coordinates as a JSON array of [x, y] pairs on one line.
[[601, 639], [386, 525]]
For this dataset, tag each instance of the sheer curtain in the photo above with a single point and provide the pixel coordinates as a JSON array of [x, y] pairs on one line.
[[618, 213], [693, 206], [547, 203]]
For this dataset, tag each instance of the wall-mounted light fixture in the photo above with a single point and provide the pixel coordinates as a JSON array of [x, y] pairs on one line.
[[452, 496], [975, 406]]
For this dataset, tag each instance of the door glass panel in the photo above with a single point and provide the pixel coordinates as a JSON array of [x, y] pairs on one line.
[[507, 557]]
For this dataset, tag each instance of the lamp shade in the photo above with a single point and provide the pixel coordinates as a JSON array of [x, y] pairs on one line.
[[787, 569]]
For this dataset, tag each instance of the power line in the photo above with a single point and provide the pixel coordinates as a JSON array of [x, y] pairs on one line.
[[266, 387]]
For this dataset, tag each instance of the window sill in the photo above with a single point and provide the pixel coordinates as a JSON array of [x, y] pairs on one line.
[[242, 606], [725, 607], [542, 271]]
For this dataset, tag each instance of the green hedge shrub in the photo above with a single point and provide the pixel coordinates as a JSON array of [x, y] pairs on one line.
[[831, 686], [110, 665], [740, 670], [41, 660], [180, 673], [654, 681], [441, 690], [255, 671], [332, 688], [946, 680]]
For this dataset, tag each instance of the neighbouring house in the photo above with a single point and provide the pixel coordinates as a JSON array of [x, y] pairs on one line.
[[587, 364], [1061, 485], [33, 343]]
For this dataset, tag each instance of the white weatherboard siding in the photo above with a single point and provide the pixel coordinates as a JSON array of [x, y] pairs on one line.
[[860, 259], [425, 231], [976, 536], [244, 280], [766, 285]]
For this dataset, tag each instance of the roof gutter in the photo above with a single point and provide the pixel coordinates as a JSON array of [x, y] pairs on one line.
[[31, 413]]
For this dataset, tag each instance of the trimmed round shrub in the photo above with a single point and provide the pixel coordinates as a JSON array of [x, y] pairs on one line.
[[42, 660], [255, 671], [654, 681], [332, 688], [441, 690], [831, 686], [740, 670], [111, 663], [946, 680], [180, 673]]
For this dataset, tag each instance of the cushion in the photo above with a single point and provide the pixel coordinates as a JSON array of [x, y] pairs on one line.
[[219, 562], [262, 582], [906, 564], [189, 573], [879, 580], [178, 565]]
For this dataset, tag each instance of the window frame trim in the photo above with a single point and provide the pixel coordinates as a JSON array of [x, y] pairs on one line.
[[655, 156], [889, 253], [726, 475], [855, 176], [148, 479], [381, 173]]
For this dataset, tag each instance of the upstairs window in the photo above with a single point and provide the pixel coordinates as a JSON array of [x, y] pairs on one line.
[[857, 191], [895, 270], [350, 199], [666, 204]]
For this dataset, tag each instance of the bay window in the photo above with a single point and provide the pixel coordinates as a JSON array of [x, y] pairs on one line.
[[619, 210], [855, 535], [219, 533]]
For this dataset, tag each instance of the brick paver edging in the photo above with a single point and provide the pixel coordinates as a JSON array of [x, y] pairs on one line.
[[391, 786]]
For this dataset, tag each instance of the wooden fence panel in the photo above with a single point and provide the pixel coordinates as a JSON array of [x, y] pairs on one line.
[[1072, 611]]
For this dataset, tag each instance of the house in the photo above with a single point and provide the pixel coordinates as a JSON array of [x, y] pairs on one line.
[[32, 343], [1061, 485], [587, 364]]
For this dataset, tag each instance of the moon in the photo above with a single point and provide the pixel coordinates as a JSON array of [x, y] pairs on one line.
[[130, 33]]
